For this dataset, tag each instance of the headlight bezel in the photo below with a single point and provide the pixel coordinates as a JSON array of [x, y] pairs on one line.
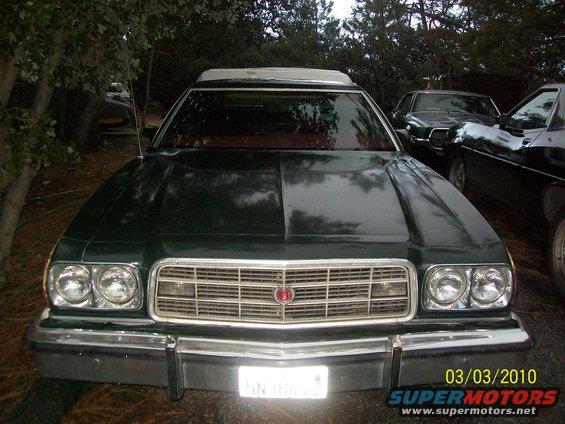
[[466, 302], [95, 301]]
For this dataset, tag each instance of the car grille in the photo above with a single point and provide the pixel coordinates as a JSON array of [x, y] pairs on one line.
[[438, 137], [244, 292]]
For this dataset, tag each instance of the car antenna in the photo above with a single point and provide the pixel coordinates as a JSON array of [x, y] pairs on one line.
[[133, 98]]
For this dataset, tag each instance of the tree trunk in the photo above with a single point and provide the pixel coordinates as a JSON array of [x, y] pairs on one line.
[[86, 122], [11, 208], [45, 86], [147, 85], [62, 118], [423, 15], [8, 76], [19, 187]]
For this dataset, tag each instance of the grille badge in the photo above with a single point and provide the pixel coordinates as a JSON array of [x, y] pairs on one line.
[[284, 295]]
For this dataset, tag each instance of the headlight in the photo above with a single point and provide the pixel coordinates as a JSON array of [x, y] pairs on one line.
[[490, 286], [464, 287], [117, 284], [446, 285], [94, 286], [72, 283]]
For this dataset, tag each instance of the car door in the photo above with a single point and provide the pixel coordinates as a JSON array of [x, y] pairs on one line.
[[500, 150], [544, 163]]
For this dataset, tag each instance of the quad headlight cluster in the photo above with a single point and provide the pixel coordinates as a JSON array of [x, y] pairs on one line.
[[93, 286], [463, 287]]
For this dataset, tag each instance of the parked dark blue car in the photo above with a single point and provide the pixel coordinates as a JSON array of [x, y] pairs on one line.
[[520, 162]]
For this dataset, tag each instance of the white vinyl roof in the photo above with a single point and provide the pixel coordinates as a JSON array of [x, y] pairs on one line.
[[307, 74]]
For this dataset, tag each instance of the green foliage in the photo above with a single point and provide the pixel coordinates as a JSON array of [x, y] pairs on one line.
[[103, 41], [388, 46], [32, 142], [109, 35], [20, 19], [389, 53], [517, 38]]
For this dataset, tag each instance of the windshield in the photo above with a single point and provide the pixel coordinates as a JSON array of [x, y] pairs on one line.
[[454, 103], [297, 120]]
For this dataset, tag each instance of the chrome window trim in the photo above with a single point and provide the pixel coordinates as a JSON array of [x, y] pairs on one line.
[[495, 106], [409, 97], [413, 95], [369, 100], [258, 263]]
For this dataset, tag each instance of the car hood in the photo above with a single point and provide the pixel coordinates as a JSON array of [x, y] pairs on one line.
[[448, 119], [230, 196]]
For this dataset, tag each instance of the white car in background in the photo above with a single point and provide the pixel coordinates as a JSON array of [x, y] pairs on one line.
[[119, 91]]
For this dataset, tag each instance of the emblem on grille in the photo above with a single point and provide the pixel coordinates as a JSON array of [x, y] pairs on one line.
[[283, 295]]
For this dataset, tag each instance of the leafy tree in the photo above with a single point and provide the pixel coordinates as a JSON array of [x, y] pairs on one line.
[[516, 38], [84, 42], [386, 53], [305, 34]]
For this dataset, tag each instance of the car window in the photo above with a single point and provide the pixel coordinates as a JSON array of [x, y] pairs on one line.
[[454, 103], [534, 114], [276, 120], [404, 104]]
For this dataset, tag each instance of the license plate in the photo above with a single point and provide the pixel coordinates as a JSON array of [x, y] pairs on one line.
[[284, 383]]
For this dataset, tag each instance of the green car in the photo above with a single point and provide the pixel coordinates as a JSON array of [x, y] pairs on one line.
[[275, 240]]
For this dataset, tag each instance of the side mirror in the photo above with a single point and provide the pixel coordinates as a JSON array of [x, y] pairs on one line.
[[149, 132], [503, 120], [506, 124], [404, 135]]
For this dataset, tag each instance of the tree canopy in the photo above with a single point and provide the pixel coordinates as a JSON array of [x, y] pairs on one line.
[[387, 46]]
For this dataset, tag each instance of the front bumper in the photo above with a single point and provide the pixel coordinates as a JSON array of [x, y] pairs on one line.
[[187, 362]]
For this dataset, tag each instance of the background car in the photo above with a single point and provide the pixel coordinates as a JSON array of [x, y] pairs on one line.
[[428, 115], [119, 91], [520, 162], [117, 117]]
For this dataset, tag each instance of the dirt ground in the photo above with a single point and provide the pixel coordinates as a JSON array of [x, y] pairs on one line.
[[25, 397]]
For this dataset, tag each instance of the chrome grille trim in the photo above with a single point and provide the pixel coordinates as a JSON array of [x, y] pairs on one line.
[[328, 293]]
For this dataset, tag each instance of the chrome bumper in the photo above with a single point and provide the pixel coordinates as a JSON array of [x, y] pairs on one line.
[[183, 362]]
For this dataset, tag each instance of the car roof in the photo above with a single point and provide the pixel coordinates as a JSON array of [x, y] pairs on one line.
[[280, 74], [461, 93]]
